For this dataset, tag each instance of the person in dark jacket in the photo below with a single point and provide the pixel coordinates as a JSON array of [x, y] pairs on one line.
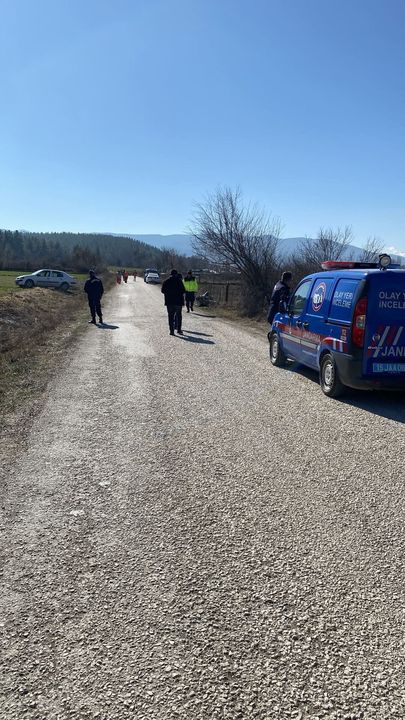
[[280, 294], [173, 290], [94, 289]]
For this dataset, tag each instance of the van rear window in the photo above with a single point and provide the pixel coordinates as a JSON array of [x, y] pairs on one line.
[[343, 298]]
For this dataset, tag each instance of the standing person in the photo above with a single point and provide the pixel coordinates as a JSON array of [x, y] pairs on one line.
[[180, 276], [134, 275], [191, 286], [118, 277], [281, 293], [173, 290], [125, 276], [94, 289]]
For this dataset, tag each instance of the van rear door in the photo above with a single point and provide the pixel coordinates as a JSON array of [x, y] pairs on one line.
[[384, 342]]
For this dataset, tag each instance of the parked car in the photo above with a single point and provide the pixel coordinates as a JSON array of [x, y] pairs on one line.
[[47, 279], [153, 278], [149, 270], [348, 323]]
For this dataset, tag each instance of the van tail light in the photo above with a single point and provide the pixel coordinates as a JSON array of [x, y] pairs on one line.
[[359, 322]]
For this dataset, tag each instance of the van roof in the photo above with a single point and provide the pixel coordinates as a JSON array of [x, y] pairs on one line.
[[355, 272]]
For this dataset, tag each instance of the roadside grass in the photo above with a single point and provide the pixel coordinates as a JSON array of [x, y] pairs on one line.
[[33, 325], [258, 324], [37, 328], [7, 280]]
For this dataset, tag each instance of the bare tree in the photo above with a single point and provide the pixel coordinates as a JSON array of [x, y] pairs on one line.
[[173, 259], [170, 258], [296, 263], [329, 244], [372, 249], [225, 230]]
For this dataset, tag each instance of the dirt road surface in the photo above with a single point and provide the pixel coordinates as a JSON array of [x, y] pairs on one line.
[[192, 533]]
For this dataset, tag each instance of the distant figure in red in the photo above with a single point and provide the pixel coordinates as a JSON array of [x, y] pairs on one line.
[[125, 276], [118, 276]]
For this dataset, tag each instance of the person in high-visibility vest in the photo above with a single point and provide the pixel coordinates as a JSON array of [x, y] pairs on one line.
[[191, 287]]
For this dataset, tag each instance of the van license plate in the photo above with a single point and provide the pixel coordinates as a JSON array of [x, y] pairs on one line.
[[388, 368]]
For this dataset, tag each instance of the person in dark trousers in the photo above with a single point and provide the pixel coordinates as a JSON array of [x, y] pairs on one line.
[[173, 290], [94, 289], [281, 293], [191, 286]]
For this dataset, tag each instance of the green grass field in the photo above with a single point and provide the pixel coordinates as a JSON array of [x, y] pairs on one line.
[[7, 280]]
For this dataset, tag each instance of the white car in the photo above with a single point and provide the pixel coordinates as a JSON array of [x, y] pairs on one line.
[[153, 277], [47, 279]]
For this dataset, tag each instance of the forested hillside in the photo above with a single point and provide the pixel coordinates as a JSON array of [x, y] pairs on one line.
[[20, 250]]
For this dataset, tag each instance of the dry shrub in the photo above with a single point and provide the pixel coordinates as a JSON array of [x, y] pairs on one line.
[[27, 317], [34, 327]]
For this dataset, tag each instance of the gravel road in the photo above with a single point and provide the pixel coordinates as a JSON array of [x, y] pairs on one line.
[[193, 534]]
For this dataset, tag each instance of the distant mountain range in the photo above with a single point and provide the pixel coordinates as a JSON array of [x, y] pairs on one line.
[[183, 245], [180, 243]]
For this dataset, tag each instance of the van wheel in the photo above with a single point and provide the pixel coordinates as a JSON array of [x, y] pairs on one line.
[[29, 284], [329, 377], [64, 287], [277, 356]]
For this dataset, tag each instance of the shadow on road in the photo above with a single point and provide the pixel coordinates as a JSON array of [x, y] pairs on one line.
[[390, 405], [199, 340], [106, 326], [194, 332], [204, 315]]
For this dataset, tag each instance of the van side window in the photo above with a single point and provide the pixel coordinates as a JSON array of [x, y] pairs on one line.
[[298, 300], [343, 298]]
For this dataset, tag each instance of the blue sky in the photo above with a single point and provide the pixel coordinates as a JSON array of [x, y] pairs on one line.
[[117, 115]]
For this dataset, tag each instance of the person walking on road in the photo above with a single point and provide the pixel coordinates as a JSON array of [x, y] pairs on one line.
[[94, 289], [281, 293], [173, 290], [191, 286]]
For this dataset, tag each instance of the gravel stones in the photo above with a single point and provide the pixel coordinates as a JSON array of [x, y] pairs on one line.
[[192, 533]]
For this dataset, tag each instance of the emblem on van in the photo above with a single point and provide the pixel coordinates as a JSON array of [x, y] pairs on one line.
[[318, 297]]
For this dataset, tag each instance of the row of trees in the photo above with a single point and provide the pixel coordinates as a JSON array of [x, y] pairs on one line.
[[73, 251], [225, 229], [171, 258]]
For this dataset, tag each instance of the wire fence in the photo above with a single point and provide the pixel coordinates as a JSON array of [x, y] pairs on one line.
[[223, 292]]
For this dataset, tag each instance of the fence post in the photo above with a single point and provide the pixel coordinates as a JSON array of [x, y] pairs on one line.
[[227, 292]]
